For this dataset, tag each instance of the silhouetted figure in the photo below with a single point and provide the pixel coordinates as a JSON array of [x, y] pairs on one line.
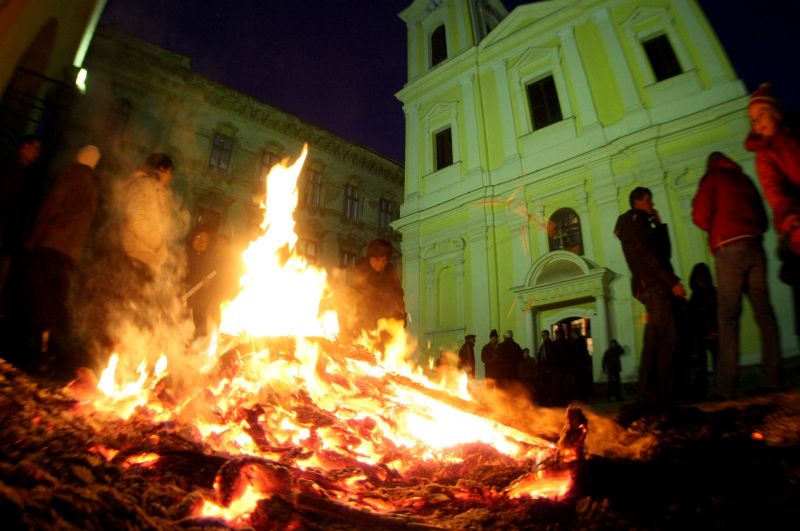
[[490, 359], [703, 329], [509, 356], [201, 272], [466, 355], [562, 374], [15, 176], [581, 366], [646, 246], [612, 366], [546, 368], [56, 242], [376, 282], [528, 373]]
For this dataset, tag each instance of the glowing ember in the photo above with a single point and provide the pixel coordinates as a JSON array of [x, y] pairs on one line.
[[280, 392]]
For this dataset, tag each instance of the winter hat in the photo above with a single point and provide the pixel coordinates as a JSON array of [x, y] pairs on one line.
[[508, 334], [88, 155], [764, 94]]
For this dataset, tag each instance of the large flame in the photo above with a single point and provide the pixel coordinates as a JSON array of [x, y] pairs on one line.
[[345, 404]]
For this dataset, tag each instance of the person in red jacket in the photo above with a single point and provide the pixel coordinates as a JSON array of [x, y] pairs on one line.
[[728, 206], [777, 152]]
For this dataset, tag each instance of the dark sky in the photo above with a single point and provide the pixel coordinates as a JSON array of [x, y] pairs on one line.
[[338, 63]]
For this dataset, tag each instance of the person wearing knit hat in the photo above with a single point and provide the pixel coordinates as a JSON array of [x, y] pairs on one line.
[[56, 242], [489, 359], [466, 356], [777, 151]]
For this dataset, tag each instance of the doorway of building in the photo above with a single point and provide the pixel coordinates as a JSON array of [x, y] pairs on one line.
[[572, 323]]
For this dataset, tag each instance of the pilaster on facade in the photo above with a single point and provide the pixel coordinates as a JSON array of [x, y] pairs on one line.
[[517, 221], [635, 115], [506, 109], [412, 173], [580, 84], [587, 236], [469, 102]]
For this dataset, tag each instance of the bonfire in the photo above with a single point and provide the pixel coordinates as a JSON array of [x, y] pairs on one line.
[[295, 422]]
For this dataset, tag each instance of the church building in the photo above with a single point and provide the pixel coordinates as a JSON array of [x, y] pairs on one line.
[[526, 132]]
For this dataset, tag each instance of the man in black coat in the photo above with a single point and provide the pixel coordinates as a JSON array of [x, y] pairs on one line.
[[645, 243], [509, 356]]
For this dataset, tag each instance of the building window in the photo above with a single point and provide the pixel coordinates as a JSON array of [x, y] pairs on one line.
[[312, 189], [307, 249], [444, 148], [662, 57], [543, 102], [352, 197], [386, 213], [268, 160], [347, 259], [564, 231], [118, 117], [221, 151], [438, 46]]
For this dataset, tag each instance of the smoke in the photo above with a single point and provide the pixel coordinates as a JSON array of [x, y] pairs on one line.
[[114, 309]]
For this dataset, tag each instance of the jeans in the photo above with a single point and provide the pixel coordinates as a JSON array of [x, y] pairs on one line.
[[656, 368], [742, 268]]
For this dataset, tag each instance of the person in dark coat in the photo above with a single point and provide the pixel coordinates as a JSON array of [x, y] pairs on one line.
[[489, 358], [581, 366], [528, 374], [612, 366], [509, 356], [57, 240], [17, 171], [545, 365], [703, 329], [466, 355], [200, 278], [646, 246], [378, 291], [563, 381], [728, 206]]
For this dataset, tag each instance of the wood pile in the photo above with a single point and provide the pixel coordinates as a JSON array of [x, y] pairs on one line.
[[718, 466]]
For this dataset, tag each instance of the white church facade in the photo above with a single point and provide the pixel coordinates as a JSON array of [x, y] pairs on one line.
[[525, 133]]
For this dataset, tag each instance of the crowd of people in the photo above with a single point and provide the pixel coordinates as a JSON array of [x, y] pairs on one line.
[[685, 340], [94, 256], [83, 240], [560, 372], [679, 336]]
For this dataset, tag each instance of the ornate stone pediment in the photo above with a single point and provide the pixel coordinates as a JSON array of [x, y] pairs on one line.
[[562, 276]]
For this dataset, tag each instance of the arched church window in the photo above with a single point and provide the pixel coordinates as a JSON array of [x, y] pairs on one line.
[[564, 231], [438, 46]]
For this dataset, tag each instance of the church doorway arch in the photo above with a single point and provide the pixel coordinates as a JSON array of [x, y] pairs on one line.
[[564, 289]]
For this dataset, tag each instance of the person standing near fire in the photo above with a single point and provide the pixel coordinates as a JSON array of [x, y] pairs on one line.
[[147, 221], [490, 359], [377, 290], [466, 355], [56, 242], [777, 149], [646, 246], [728, 206], [200, 276]]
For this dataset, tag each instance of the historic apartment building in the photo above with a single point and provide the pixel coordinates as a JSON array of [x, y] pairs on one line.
[[142, 99], [525, 133]]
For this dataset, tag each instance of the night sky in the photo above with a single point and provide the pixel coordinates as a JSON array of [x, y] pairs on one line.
[[338, 63]]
